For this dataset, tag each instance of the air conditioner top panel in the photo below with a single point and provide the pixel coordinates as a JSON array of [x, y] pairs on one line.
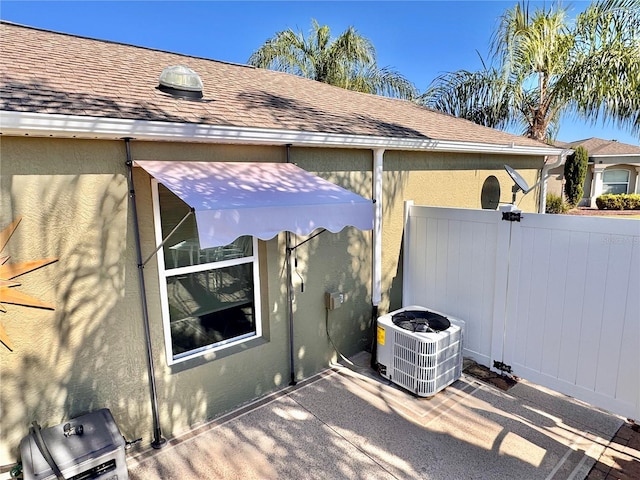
[[420, 321], [387, 321]]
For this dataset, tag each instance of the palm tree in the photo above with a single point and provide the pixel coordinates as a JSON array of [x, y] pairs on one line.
[[548, 67], [348, 61]]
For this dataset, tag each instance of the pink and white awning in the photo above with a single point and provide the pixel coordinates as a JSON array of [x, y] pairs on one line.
[[259, 199]]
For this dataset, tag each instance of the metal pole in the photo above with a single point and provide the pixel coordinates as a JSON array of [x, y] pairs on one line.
[[158, 440], [289, 251], [189, 213], [290, 299]]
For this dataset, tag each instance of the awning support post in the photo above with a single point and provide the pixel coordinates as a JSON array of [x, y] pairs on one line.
[[290, 300], [158, 440], [190, 212], [290, 249]]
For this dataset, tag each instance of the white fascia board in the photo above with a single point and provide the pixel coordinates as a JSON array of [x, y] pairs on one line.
[[612, 155], [72, 126]]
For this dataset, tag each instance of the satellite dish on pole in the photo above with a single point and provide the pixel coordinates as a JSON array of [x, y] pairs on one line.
[[519, 183]]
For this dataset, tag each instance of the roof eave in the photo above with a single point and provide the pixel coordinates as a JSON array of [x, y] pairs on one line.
[[614, 155], [71, 126]]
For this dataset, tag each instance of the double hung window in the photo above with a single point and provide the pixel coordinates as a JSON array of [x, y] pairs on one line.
[[209, 295], [615, 181]]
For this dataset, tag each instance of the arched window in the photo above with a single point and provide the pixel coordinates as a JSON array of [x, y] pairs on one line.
[[615, 181]]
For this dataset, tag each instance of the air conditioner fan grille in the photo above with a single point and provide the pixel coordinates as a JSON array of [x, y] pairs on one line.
[[421, 321]]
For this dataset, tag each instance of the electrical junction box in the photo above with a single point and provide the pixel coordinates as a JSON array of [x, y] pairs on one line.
[[95, 450], [333, 300]]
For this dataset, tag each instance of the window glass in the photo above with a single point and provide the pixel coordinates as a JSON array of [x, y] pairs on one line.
[[616, 176], [182, 247], [615, 181], [614, 188], [210, 292], [210, 307]]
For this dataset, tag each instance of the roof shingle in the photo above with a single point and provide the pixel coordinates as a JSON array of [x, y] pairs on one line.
[[600, 147], [48, 72]]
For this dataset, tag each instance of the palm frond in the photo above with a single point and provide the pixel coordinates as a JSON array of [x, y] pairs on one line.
[[348, 61], [591, 68], [603, 84], [286, 51], [381, 81], [482, 97]]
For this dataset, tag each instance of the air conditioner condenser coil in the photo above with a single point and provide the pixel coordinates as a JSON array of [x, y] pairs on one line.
[[420, 349]]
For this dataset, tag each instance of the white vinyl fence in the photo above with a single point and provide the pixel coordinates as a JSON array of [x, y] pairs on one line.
[[555, 298]]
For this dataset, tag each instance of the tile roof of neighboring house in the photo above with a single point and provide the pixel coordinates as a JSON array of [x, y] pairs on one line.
[[54, 73], [599, 147]]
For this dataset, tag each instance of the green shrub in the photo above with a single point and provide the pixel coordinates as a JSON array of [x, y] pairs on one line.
[[555, 204], [632, 201], [575, 171], [609, 202], [618, 202]]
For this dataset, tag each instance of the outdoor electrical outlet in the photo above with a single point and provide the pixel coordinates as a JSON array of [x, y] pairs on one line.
[[333, 300]]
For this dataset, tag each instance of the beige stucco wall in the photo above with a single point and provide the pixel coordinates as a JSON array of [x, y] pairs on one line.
[[89, 352], [555, 181], [436, 179]]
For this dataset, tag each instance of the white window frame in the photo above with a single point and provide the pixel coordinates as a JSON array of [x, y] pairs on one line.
[[165, 273], [627, 183]]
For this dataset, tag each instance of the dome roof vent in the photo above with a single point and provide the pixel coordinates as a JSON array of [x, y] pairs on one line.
[[180, 81]]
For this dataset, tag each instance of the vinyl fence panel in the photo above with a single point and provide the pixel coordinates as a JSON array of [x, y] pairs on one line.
[[576, 321], [554, 297], [450, 258]]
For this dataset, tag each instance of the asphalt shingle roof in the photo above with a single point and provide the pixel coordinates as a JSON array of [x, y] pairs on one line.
[[598, 146], [48, 72]]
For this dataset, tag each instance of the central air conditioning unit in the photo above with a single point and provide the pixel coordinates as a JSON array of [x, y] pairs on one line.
[[420, 349]]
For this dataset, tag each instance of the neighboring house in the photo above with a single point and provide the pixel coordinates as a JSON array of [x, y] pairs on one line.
[[142, 333], [614, 167]]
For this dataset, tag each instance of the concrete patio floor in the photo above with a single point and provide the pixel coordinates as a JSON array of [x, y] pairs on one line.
[[349, 423]]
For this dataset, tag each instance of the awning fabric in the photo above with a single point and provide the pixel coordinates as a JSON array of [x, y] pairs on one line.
[[259, 199]]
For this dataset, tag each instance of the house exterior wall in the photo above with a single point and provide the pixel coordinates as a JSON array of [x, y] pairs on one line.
[[597, 181], [555, 181], [90, 351], [595, 169], [433, 178]]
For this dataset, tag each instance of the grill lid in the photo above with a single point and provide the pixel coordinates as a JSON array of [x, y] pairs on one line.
[[421, 321]]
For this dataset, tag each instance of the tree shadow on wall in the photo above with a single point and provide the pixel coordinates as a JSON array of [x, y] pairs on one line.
[[81, 356]]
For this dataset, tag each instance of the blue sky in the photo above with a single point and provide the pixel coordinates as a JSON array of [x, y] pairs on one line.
[[419, 39]]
